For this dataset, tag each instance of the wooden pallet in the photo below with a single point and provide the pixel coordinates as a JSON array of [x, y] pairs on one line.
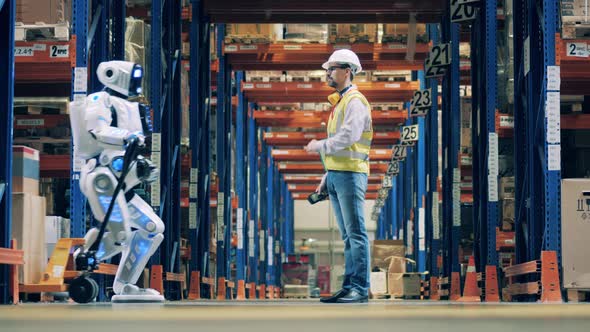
[[41, 31], [42, 105], [572, 30], [578, 295]]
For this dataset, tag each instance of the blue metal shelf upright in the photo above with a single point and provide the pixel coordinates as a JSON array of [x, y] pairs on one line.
[[536, 147], [7, 22]]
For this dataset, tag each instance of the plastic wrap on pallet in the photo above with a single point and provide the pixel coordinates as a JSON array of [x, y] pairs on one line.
[[137, 36], [398, 33], [306, 33], [352, 33]]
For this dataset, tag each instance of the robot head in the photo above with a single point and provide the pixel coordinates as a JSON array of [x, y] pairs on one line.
[[121, 76]]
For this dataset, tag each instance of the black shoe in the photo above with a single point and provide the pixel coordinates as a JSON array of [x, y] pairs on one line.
[[335, 297], [353, 296]]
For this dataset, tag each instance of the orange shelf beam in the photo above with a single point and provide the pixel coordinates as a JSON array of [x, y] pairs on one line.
[[318, 168], [312, 179], [318, 119], [282, 139], [317, 91], [302, 155], [303, 196], [309, 188], [575, 70], [575, 121], [44, 61]]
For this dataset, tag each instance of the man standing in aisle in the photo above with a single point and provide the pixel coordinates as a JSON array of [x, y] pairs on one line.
[[346, 158]]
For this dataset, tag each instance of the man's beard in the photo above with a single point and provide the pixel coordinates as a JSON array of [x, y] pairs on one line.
[[332, 83]]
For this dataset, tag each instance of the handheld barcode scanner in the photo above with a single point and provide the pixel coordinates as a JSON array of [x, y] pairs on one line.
[[315, 196]]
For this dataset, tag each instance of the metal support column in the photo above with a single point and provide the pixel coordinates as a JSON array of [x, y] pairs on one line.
[[119, 10], [432, 212], [253, 161], [99, 41], [7, 21], [77, 200], [270, 224], [241, 177], [420, 171]]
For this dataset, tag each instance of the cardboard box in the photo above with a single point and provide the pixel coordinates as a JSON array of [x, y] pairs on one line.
[[575, 231], [575, 11], [25, 170], [378, 283], [466, 137], [404, 284], [398, 33], [28, 224], [306, 32], [507, 187], [381, 250], [353, 33], [46, 11], [249, 33]]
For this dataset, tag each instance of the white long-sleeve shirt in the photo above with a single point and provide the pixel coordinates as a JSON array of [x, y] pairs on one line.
[[356, 121]]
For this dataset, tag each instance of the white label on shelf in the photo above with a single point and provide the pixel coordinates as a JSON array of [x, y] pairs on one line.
[[80, 79], [155, 191], [248, 86], [527, 56], [269, 250], [421, 223], [304, 86], [554, 156], [251, 239], [435, 219], [493, 162], [30, 122], [282, 166], [79, 97], [492, 187], [261, 248], [192, 215], [577, 50], [264, 86], [456, 175], [393, 85], [240, 228], [552, 113], [40, 47], [342, 47], [59, 51], [422, 244], [24, 51], [248, 47], [506, 121], [231, 48], [553, 78], [456, 204], [156, 159], [292, 47], [396, 46], [193, 190], [78, 162], [194, 175], [156, 141]]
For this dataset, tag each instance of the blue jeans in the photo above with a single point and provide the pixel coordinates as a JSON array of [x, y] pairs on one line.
[[347, 195]]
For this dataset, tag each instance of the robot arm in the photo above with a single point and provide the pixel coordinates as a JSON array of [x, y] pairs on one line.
[[98, 124]]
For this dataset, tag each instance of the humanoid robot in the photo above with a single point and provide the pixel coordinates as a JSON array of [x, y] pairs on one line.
[[103, 125]]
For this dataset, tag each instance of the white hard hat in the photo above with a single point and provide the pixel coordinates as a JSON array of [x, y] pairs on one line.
[[345, 56]]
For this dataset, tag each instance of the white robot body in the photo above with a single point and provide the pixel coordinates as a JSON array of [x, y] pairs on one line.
[[102, 125]]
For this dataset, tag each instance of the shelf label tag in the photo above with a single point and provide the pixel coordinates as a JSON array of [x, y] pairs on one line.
[[24, 51], [192, 215], [554, 157], [59, 51], [81, 79]]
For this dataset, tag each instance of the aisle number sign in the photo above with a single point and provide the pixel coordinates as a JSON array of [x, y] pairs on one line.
[[393, 168], [387, 182], [421, 102], [580, 50], [438, 58], [410, 133], [398, 152], [463, 10]]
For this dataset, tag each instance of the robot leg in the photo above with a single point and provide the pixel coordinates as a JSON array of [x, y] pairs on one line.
[[145, 241]]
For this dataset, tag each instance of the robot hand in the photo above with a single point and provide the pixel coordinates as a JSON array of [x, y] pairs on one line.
[[135, 136], [146, 170]]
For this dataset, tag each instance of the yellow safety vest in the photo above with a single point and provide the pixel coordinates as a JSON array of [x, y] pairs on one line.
[[354, 158]]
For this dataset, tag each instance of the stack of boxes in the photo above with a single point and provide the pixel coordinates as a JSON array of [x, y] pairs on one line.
[[352, 33], [46, 11], [398, 33], [250, 33], [28, 213], [306, 33], [389, 276], [575, 19], [137, 36]]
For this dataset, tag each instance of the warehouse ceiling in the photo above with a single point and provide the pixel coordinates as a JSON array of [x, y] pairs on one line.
[[327, 11]]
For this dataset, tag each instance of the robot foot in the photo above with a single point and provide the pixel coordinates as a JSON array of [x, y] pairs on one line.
[[134, 294]]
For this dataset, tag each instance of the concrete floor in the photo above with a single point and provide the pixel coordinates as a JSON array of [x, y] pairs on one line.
[[296, 315]]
